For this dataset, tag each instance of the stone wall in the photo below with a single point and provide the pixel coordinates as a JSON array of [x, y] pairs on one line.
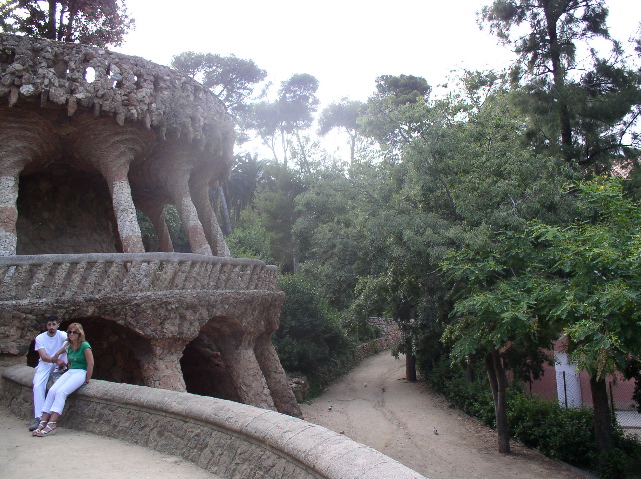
[[81, 77], [231, 440], [390, 338], [64, 211]]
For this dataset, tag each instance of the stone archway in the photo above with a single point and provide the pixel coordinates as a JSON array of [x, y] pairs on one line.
[[113, 347], [204, 370]]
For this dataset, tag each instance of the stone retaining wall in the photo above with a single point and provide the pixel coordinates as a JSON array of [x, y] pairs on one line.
[[229, 439], [390, 338]]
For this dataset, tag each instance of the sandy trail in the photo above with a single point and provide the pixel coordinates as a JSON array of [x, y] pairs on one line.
[[375, 405], [70, 453]]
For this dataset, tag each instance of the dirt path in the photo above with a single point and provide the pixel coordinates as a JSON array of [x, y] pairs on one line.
[[374, 405], [76, 454]]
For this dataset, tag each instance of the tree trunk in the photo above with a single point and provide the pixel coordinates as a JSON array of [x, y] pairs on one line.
[[51, 21], [469, 371], [352, 149], [498, 383], [558, 75], [603, 430], [410, 363], [227, 229]]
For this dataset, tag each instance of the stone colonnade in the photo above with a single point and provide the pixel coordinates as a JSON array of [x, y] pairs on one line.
[[154, 137], [138, 170]]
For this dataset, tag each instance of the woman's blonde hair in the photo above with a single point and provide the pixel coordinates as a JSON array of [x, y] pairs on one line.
[[81, 337]]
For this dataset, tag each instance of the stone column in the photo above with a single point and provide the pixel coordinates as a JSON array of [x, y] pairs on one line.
[[124, 209], [160, 363], [189, 216], [156, 214], [281, 391], [111, 149], [25, 138], [246, 374], [200, 185], [8, 214]]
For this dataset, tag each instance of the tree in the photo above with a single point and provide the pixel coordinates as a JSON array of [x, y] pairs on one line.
[[92, 22], [594, 265], [342, 115], [580, 279], [308, 338], [476, 175], [285, 118], [241, 187], [230, 78], [549, 47], [493, 314], [275, 207], [395, 114], [591, 110], [403, 89]]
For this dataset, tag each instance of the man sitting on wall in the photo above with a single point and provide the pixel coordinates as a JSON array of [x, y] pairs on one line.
[[47, 344]]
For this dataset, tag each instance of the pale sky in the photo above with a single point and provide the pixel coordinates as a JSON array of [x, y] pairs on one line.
[[345, 44]]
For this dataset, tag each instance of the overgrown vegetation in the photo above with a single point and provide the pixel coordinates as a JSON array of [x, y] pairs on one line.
[[558, 432]]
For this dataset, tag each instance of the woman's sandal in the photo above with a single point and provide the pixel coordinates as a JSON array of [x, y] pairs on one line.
[[40, 427], [47, 430]]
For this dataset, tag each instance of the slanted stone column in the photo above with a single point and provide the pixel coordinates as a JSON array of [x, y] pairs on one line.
[[189, 216], [156, 214], [247, 377], [25, 138], [281, 391], [8, 214], [112, 148], [124, 209], [200, 185], [160, 363]]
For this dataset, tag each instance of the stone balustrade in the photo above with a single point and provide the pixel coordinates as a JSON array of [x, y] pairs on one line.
[[228, 439], [97, 274]]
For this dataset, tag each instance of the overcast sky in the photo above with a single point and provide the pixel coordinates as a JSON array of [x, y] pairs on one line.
[[345, 44]]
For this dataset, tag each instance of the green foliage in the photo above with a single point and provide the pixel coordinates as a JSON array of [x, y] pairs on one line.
[[280, 123], [174, 225], [250, 240], [241, 187], [91, 22], [176, 230], [578, 109], [403, 89], [471, 396], [231, 78], [595, 263], [309, 338], [557, 432], [276, 208]]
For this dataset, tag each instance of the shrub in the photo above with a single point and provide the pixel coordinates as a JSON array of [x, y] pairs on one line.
[[309, 338], [559, 433]]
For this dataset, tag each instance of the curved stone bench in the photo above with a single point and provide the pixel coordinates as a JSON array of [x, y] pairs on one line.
[[229, 439]]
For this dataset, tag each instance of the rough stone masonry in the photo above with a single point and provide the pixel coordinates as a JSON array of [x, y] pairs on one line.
[[90, 140]]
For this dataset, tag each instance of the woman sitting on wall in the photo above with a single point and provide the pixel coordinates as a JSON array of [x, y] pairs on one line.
[[80, 365]]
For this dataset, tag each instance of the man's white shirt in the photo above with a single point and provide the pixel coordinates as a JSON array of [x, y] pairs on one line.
[[51, 344]]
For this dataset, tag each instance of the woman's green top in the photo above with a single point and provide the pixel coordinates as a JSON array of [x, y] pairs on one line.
[[77, 358]]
